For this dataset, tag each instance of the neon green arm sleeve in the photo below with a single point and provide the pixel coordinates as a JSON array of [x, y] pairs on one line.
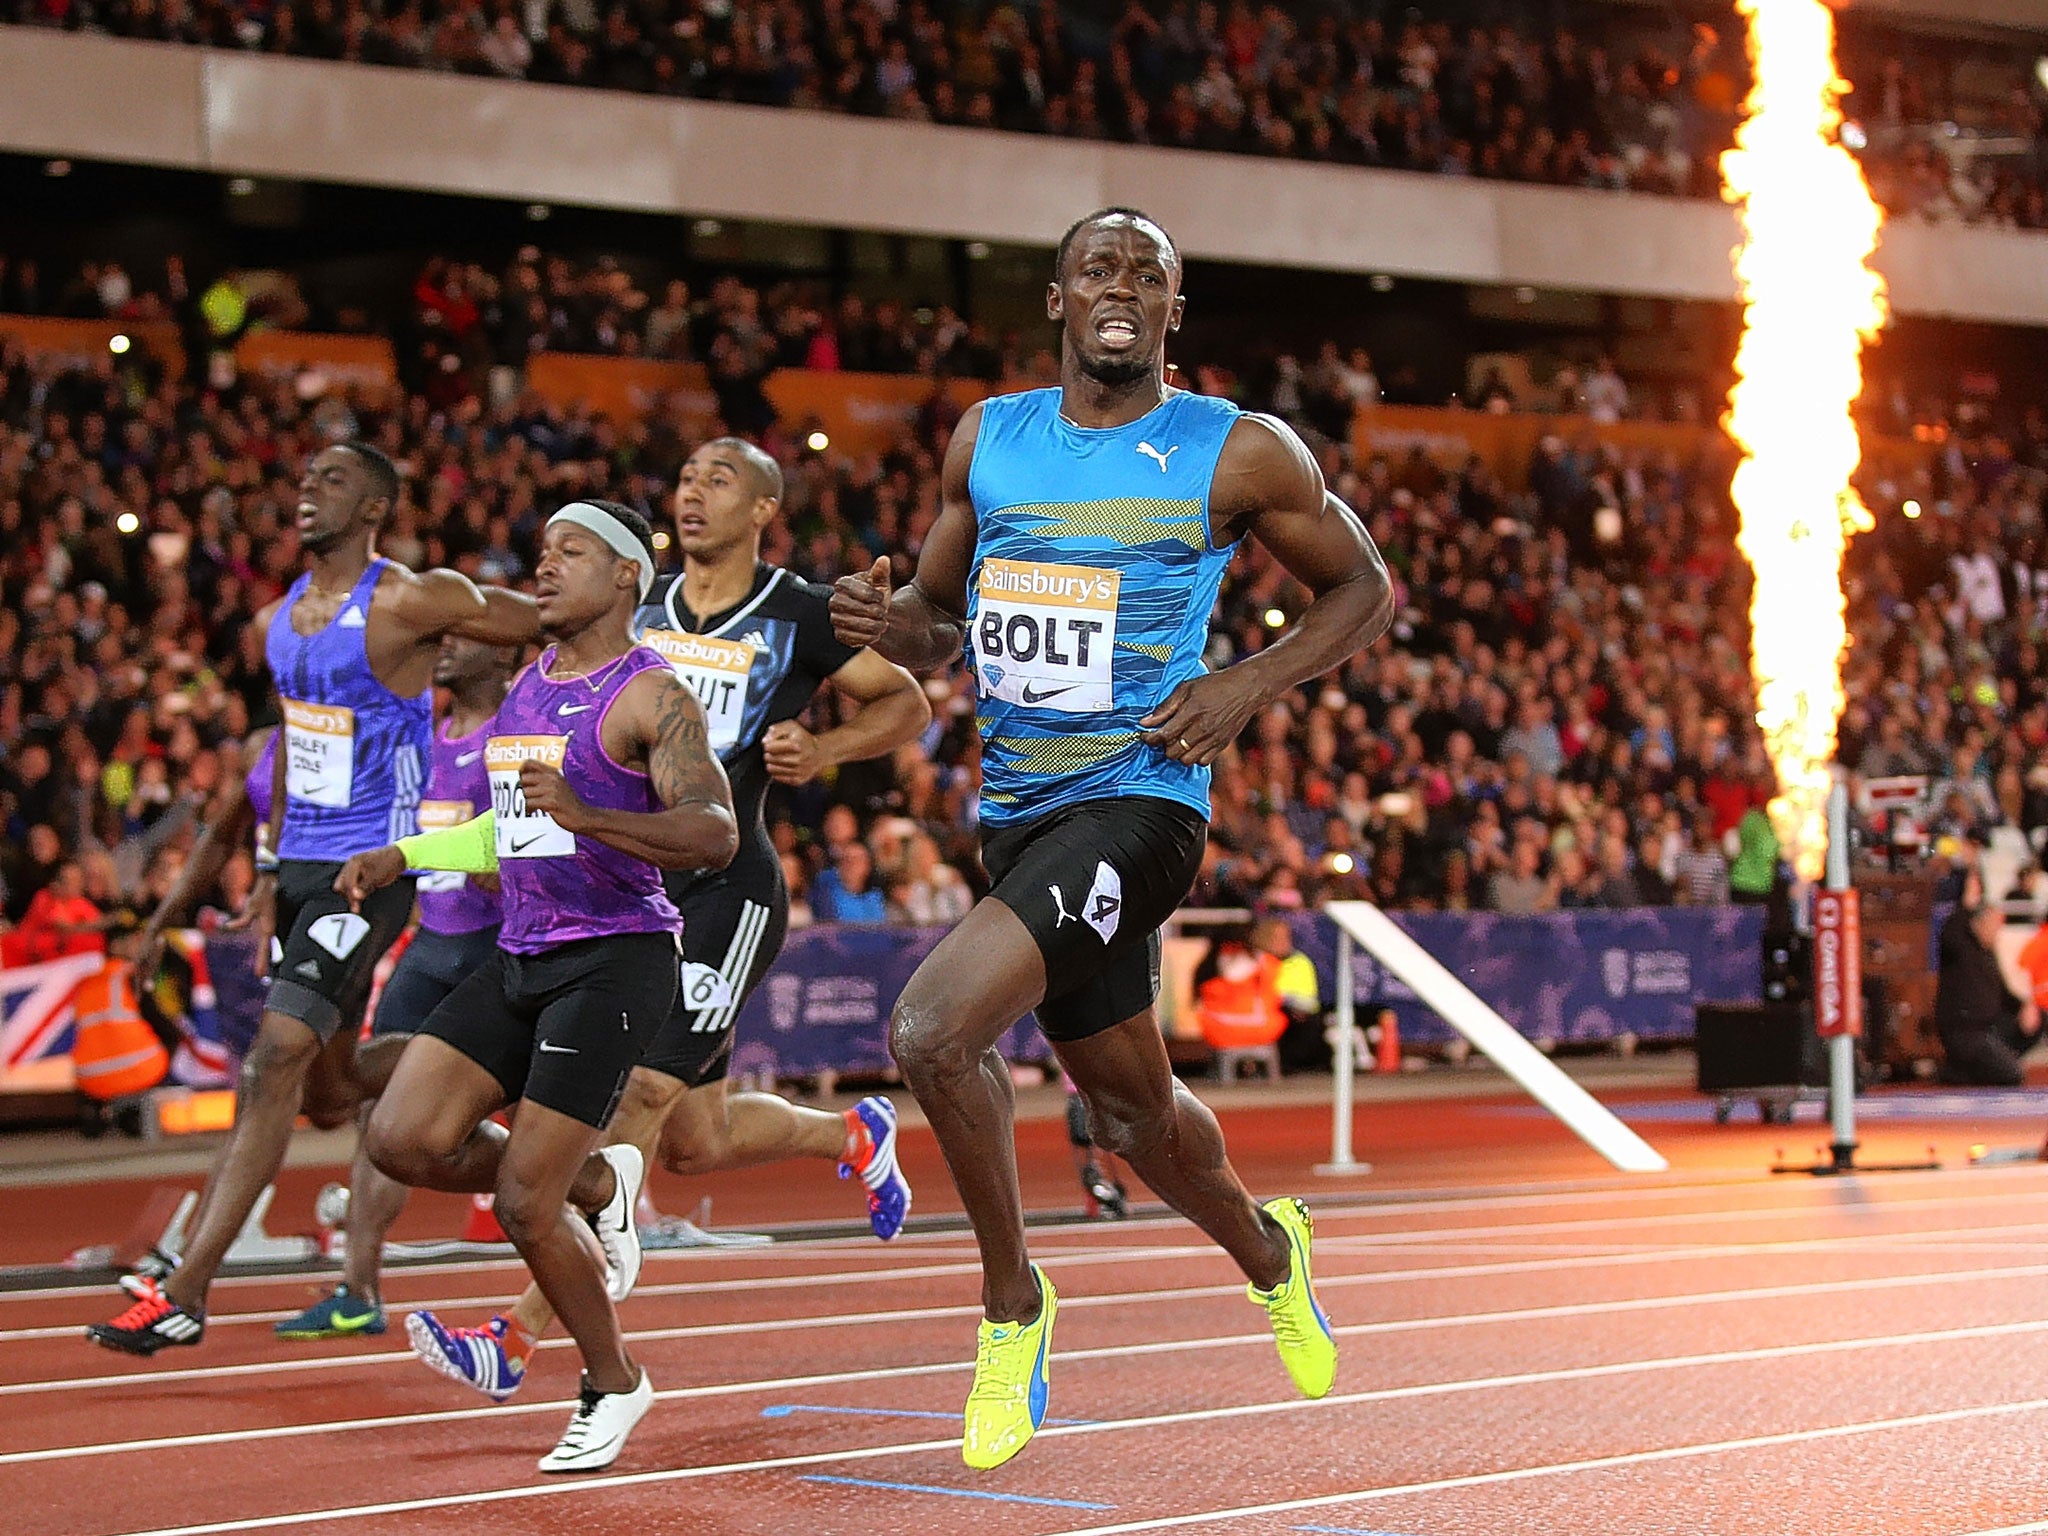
[[471, 848]]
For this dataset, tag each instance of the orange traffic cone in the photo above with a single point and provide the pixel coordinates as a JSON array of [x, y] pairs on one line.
[[1387, 1055], [482, 1225]]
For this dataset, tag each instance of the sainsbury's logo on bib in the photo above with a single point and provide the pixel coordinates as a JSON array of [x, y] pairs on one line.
[[1078, 585], [523, 833], [319, 745], [438, 816], [1044, 635]]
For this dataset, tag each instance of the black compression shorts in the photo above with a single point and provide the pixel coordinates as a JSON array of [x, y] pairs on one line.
[[327, 959], [734, 923], [433, 965], [564, 1027], [1093, 882]]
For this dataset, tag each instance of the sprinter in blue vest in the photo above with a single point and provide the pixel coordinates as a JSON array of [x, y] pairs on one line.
[[1082, 537], [352, 648]]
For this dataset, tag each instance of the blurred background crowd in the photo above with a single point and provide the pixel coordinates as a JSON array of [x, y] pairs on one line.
[[1561, 718]]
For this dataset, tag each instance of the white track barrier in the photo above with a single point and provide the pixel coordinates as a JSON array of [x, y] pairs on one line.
[[1590, 1120]]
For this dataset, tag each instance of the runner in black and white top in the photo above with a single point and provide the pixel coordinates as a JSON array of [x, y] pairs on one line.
[[755, 643]]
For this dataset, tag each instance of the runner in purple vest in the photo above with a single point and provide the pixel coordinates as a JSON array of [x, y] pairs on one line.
[[457, 934], [602, 776], [351, 648]]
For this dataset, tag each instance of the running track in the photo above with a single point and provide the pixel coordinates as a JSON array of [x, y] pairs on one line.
[[1709, 1351]]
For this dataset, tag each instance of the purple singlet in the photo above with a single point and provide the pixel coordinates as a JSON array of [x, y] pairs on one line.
[[261, 779], [557, 887], [451, 902]]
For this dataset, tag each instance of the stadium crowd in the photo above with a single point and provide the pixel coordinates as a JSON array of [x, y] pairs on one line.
[[1566, 94], [1561, 719]]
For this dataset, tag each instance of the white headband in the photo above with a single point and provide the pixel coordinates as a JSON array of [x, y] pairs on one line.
[[597, 520]]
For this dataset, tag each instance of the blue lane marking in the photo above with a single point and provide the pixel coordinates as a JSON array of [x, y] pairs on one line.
[[1340, 1530], [958, 1493], [784, 1410]]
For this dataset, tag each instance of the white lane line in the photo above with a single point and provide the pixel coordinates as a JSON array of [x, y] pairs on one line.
[[1677, 1302], [1240, 1411], [1391, 1204], [1353, 1242], [1323, 1284], [2033, 1528], [1566, 1468]]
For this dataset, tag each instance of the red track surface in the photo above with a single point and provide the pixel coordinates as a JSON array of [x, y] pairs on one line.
[[1710, 1351]]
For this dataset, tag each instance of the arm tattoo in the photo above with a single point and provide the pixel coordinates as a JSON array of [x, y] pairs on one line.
[[680, 761]]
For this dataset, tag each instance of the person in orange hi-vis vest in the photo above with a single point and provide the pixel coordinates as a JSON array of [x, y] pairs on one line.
[[1239, 1006], [115, 1053], [2034, 961]]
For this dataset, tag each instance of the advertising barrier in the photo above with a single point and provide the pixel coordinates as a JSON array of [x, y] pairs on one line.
[[622, 388], [1566, 977], [864, 412], [1563, 977], [86, 342], [825, 1006], [357, 362]]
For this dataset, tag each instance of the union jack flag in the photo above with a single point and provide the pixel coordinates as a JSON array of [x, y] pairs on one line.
[[35, 1008], [203, 1059]]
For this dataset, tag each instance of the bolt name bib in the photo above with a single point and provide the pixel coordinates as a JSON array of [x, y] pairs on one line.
[[524, 834], [1044, 635]]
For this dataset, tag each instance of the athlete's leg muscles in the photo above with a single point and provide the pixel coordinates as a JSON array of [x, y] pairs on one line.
[[648, 1099], [1138, 1110], [542, 1161], [333, 1093], [981, 979], [713, 1127], [431, 1127], [375, 1199], [266, 1104]]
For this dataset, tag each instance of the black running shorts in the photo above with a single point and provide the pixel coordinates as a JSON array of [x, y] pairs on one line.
[[564, 1027], [1093, 882], [328, 957], [734, 923], [433, 965]]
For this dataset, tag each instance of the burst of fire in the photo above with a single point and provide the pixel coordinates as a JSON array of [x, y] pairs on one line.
[[1809, 303]]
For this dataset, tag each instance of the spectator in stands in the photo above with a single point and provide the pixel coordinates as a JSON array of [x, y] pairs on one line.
[[797, 876], [1702, 870], [846, 892], [1521, 889], [1985, 1029], [1604, 395], [59, 921], [1753, 876]]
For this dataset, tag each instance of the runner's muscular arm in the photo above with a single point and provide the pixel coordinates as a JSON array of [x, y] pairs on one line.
[[922, 626], [442, 602], [1267, 484], [658, 720], [892, 710], [229, 819]]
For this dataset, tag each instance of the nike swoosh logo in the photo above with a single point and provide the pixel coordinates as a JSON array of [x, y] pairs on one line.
[[467, 758], [560, 1050], [519, 847], [574, 709], [1033, 696]]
